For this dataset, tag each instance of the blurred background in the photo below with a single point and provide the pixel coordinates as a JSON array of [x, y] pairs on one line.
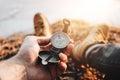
[[17, 15]]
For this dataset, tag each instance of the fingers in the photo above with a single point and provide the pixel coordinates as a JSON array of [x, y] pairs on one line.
[[45, 48], [68, 49], [63, 57], [43, 40], [61, 68], [62, 64]]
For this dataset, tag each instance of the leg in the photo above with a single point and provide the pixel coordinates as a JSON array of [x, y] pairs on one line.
[[41, 25], [97, 34]]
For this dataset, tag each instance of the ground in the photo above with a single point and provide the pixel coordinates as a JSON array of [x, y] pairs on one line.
[[76, 71]]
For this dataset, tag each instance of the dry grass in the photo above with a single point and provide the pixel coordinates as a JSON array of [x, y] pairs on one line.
[[79, 30]]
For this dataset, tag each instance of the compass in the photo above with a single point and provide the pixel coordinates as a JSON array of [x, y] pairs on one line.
[[59, 41]]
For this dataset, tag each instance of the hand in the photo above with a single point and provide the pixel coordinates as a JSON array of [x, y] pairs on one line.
[[28, 55]]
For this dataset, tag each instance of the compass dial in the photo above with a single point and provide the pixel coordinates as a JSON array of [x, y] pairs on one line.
[[60, 40]]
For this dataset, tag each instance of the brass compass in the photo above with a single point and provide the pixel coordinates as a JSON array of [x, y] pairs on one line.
[[59, 41]]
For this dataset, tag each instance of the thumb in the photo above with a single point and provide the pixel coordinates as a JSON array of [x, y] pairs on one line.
[[43, 40]]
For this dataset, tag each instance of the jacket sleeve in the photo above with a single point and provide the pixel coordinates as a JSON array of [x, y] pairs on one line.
[[105, 58]]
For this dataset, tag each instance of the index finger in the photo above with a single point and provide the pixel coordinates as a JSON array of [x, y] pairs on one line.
[[43, 40]]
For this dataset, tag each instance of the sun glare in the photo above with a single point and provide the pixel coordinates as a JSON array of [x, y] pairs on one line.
[[96, 10]]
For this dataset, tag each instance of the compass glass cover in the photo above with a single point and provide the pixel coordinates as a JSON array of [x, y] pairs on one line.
[[60, 40]]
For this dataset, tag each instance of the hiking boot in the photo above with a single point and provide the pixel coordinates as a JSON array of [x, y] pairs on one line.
[[98, 34], [41, 25]]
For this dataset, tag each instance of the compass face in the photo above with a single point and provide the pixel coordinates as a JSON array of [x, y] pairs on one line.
[[60, 40]]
